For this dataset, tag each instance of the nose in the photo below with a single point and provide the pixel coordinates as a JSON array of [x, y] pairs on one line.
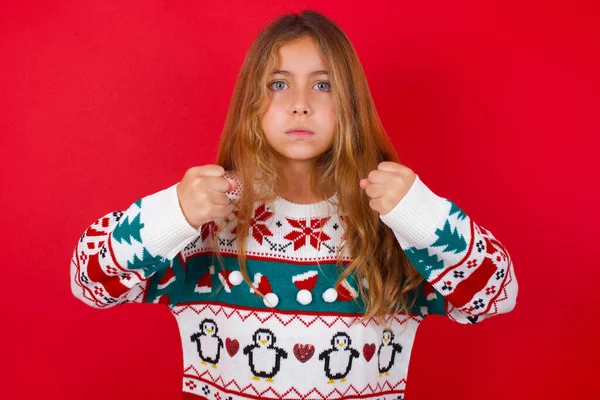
[[300, 104]]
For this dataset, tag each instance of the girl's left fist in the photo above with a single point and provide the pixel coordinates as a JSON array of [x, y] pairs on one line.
[[387, 185]]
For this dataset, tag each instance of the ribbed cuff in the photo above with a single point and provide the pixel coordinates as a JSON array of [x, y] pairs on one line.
[[166, 231], [418, 214]]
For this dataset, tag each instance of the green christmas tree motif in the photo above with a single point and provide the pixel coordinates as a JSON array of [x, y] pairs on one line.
[[453, 240], [147, 262], [138, 203], [456, 209], [128, 229], [424, 262]]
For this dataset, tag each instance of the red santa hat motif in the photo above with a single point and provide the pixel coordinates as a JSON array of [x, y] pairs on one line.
[[263, 285], [305, 282], [163, 299], [204, 284], [429, 291], [230, 278], [344, 292], [166, 279]]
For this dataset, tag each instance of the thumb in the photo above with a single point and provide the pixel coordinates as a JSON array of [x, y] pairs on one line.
[[233, 184]]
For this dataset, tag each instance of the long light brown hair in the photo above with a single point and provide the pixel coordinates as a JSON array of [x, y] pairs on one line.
[[360, 144]]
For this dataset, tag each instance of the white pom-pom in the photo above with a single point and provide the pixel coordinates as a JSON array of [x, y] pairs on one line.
[[271, 300], [304, 297], [365, 283], [235, 278], [330, 295]]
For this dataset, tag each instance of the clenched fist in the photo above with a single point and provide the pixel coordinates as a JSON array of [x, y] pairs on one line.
[[387, 185], [202, 194]]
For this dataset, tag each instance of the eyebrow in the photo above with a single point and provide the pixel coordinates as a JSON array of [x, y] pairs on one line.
[[283, 72]]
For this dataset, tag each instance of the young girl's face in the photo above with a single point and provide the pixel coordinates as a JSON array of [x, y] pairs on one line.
[[301, 98]]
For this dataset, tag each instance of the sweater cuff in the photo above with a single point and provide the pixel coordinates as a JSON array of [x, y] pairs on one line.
[[418, 214], [166, 231]]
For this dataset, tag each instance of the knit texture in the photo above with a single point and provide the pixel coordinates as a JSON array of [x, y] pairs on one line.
[[304, 340]]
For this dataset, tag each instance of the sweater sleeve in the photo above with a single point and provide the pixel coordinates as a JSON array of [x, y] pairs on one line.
[[133, 256], [464, 265]]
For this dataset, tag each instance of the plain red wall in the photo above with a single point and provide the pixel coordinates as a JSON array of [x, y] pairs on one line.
[[494, 104]]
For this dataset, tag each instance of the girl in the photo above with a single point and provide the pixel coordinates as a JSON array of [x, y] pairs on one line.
[[300, 264]]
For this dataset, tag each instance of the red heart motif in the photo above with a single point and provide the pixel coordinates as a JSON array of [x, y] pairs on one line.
[[368, 351], [232, 346], [304, 352]]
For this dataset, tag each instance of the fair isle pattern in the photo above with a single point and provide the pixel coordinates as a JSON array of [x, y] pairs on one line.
[[286, 239], [200, 386], [102, 280], [366, 378], [284, 318], [148, 253], [465, 264]]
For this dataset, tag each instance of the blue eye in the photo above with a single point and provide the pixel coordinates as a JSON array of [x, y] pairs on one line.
[[326, 83], [273, 83], [280, 83]]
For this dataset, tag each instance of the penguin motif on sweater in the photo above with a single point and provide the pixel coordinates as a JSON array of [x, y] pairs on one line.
[[338, 358], [263, 356], [386, 353], [208, 343]]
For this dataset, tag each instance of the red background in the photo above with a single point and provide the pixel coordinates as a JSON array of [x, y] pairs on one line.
[[494, 104]]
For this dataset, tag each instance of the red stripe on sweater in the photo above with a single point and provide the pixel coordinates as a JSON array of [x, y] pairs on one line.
[[112, 284], [466, 290]]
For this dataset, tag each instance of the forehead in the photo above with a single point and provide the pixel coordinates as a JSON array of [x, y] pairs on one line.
[[300, 57]]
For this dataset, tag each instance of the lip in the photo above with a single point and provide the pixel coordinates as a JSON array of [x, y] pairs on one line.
[[299, 132], [296, 129]]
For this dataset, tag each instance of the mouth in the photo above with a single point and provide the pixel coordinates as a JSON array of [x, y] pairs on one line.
[[299, 132]]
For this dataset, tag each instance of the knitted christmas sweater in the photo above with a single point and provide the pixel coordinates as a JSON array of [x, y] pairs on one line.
[[305, 340]]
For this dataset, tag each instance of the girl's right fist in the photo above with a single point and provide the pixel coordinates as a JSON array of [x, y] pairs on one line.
[[202, 194]]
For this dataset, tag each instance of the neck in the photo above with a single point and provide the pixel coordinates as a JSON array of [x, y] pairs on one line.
[[295, 182]]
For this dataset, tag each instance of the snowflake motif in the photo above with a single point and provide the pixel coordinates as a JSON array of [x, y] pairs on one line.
[[480, 246], [125, 277], [83, 257], [99, 291], [191, 385], [490, 290], [478, 304], [447, 285], [109, 300], [500, 274], [117, 215], [103, 251], [84, 278], [206, 390], [305, 234], [258, 226], [459, 274], [111, 270], [335, 226], [471, 263]]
